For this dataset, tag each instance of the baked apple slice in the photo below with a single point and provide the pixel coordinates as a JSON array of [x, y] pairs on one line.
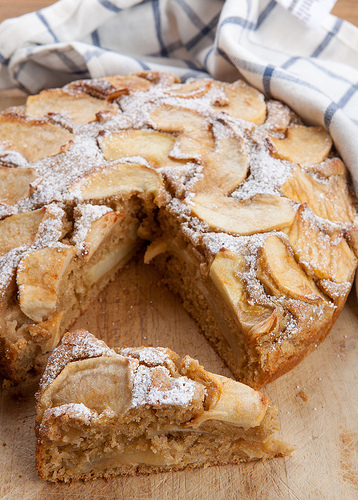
[[34, 139], [15, 184], [329, 258], [255, 320], [150, 145], [303, 145], [40, 275], [79, 106], [281, 275], [21, 230], [260, 214], [117, 179], [328, 198], [241, 101], [225, 168]]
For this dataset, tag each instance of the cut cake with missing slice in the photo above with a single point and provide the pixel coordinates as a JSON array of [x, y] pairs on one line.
[[103, 412], [246, 213]]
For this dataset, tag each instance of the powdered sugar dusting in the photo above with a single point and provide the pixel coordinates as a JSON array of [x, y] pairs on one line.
[[248, 247], [75, 346], [267, 174], [72, 410], [153, 383], [85, 215], [145, 392], [151, 356]]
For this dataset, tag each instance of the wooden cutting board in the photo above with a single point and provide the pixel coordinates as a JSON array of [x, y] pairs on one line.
[[318, 400]]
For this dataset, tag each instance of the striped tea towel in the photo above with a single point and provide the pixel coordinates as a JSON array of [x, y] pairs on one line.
[[313, 71]]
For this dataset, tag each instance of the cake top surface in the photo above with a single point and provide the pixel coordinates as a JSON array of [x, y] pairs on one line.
[[253, 190]]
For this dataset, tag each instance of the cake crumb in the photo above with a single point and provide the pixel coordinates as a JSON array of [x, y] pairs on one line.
[[303, 395]]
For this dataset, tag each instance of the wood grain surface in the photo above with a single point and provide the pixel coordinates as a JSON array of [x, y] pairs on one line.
[[318, 400]]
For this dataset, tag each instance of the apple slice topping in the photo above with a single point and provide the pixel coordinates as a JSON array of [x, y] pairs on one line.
[[281, 275], [329, 199], [33, 139], [93, 224], [15, 184], [224, 168], [192, 89], [303, 145], [194, 137], [226, 271], [151, 145], [39, 277], [83, 380], [329, 258], [260, 214], [21, 230], [243, 102], [120, 179], [79, 106]]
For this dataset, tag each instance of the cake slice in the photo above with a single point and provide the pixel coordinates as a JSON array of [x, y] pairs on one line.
[[103, 412]]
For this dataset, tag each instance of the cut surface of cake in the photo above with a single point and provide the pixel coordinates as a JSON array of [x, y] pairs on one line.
[[246, 213], [102, 412]]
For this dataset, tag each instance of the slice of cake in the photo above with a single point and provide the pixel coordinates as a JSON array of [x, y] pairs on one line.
[[102, 412], [247, 214]]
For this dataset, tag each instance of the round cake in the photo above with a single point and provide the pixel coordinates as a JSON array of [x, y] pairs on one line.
[[246, 212]]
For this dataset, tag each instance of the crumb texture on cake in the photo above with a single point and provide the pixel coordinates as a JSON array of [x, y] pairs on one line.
[[246, 212], [103, 412]]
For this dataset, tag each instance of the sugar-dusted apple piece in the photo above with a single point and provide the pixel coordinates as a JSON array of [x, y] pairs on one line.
[[103, 412], [281, 275], [125, 84], [224, 168], [150, 145], [194, 138], [279, 117], [40, 277], [256, 320], [79, 106], [106, 239], [34, 139], [117, 180], [260, 214], [110, 87], [15, 184], [191, 89], [170, 118], [21, 230], [328, 198], [92, 225], [303, 145], [241, 101], [327, 168], [159, 77], [330, 258]]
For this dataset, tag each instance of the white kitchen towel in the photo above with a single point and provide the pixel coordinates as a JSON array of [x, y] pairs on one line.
[[313, 71]]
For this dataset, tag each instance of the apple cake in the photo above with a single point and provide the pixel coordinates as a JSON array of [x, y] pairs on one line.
[[102, 412], [246, 212]]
